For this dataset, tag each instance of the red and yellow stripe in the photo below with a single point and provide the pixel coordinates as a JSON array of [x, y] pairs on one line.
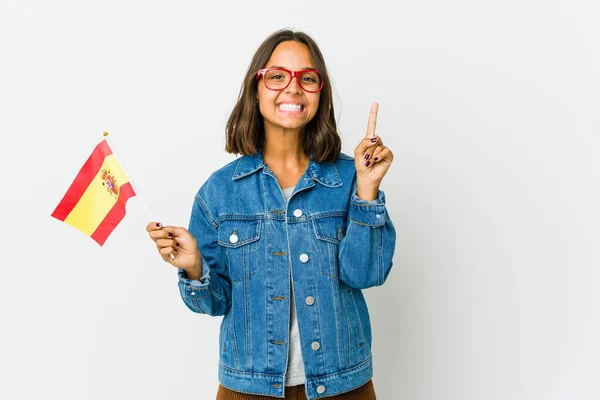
[[90, 205]]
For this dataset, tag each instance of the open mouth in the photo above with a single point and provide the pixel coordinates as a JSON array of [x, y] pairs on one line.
[[291, 107]]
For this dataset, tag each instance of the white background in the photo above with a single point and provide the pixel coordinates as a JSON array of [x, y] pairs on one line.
[[492, 111]]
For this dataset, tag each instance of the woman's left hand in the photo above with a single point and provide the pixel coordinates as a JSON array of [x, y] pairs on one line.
[[371, 159]]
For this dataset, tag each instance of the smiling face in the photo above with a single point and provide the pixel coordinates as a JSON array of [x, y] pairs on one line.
[[291, 108]]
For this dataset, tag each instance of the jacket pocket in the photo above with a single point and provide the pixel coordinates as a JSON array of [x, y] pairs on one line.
[[329, 232], [358, 347], [229, 353], [240, 239]]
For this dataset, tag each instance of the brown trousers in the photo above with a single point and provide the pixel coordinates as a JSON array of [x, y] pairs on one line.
[[365, 392]]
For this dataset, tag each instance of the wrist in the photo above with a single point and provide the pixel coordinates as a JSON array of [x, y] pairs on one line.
[[367, 193], [194, 273]]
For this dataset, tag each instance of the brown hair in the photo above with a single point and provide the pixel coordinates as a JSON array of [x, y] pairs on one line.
[[245, 130]]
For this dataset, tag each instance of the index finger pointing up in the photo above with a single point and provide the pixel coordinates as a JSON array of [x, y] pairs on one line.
[[372, 120]]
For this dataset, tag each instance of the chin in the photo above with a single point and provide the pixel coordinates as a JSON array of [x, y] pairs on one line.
[[292, 124]]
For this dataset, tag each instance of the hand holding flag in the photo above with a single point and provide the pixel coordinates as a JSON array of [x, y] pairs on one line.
[[178, 247]]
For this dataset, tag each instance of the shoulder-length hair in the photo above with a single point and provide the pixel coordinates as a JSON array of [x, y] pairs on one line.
[[245, 130]]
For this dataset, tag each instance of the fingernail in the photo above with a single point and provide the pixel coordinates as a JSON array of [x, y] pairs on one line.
[[376, 158], [158, 224], [176, 244], [374, 140], [170, 234], [367, 156], [367, 163]]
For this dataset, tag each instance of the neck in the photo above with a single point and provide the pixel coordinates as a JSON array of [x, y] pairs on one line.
[[284, 149]]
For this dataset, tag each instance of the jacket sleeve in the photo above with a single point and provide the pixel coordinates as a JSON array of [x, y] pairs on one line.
[[366, 252], [212, 293]]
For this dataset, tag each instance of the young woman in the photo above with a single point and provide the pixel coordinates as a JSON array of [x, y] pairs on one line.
[[282, 240]]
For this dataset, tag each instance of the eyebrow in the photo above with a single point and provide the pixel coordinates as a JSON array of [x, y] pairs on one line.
[[279, 66]]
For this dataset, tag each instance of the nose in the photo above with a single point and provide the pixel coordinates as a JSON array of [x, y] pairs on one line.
[[294, 86]]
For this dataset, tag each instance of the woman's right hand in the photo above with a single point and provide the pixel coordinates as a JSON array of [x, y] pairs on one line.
[[177, 241]]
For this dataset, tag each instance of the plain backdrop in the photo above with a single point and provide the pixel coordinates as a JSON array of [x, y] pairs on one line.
[[492, 111]]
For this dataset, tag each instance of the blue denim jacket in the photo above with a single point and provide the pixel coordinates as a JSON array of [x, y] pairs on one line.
[[332, 243]]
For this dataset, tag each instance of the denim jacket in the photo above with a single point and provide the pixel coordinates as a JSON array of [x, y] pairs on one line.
[[326, 240]]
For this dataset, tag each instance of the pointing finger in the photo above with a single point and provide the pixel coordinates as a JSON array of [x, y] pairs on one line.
[[372, 120]]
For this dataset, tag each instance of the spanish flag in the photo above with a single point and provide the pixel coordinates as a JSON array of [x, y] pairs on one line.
[[95, 201]]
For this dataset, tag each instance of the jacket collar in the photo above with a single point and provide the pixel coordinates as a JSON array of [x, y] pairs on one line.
[[324, 172]]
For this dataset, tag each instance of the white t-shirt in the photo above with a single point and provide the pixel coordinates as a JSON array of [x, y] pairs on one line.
[[295, 374]]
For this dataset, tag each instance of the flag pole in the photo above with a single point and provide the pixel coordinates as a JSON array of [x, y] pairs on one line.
[[138, 194], [114, 150]]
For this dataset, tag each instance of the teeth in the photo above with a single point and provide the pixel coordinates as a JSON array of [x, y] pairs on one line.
[[290, 107]]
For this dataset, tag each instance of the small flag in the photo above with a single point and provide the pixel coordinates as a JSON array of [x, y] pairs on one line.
[[95, 202]]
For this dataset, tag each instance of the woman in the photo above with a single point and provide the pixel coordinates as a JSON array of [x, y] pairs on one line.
[[282, 240]]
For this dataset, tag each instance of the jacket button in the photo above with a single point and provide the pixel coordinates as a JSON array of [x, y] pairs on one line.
[[310, 300], [298, 213], [315, 346], [233, 238], [321, 389], [304, 257]]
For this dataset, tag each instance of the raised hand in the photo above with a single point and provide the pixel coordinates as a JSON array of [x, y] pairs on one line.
[[371, 159], [177, 247]]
